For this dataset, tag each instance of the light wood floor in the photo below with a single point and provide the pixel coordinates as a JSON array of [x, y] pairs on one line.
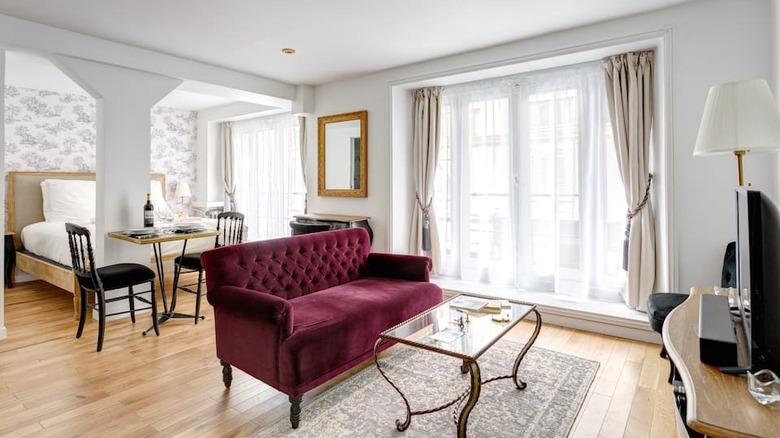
[[52, 384]]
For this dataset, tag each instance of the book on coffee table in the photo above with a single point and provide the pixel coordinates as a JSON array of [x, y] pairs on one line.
[[469, 303], [496, 306]]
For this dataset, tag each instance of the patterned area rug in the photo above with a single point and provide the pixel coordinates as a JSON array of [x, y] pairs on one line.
[[366, 406]]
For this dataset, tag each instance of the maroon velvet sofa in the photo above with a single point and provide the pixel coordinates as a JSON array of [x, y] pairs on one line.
[[297, 311]]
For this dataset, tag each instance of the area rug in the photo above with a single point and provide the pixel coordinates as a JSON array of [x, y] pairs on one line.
[[366, 406]]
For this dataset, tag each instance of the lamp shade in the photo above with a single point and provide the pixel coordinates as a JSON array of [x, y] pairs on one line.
[[183, 190], [739, 116]]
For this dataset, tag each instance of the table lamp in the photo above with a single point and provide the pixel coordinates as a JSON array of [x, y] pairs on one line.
[[739, 117], [182, 191]]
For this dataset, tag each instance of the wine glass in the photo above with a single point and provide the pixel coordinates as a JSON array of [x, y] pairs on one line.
[[167, 217]]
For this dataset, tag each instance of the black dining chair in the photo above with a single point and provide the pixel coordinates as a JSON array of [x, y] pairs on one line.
[[97, 281], [298, 228], [231, 227]]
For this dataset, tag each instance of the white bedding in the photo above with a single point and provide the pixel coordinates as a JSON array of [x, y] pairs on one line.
[[49, 240]]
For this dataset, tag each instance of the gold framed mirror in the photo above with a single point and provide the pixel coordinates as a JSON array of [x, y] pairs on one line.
[[342, 164]]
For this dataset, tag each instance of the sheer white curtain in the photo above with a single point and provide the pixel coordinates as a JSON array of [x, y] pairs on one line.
[[226, 146], [302, 134], [269, 181], [528, 191]]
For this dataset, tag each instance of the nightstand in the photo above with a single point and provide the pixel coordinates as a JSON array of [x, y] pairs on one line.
[[10, 258]]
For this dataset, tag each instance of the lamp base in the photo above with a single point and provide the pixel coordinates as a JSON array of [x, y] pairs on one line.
[[739, 154]]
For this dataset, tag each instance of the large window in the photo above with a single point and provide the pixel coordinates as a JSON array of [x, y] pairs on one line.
[[528, 192], [269, 183]]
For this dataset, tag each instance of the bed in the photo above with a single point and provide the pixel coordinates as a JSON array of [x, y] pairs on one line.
[[41, 242]]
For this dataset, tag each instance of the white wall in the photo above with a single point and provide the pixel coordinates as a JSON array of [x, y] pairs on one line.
[[3, 331], [365, 93], [776, 85], [711, 42]]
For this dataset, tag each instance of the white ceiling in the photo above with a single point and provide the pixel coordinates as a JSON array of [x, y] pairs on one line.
[[334, 39], [31, 71]]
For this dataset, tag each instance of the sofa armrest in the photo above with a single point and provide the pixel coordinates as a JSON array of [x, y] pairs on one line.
[[399, 266], [253, 305]]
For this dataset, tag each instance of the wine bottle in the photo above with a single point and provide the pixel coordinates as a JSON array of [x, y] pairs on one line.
[[148, 211]]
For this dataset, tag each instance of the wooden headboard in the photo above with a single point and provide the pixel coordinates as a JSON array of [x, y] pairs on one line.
[[25, 201]]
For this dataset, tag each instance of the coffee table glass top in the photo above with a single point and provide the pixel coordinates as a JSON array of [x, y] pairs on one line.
[[452, 329]]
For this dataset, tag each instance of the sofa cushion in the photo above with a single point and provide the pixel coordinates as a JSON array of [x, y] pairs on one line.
[[338, 325]]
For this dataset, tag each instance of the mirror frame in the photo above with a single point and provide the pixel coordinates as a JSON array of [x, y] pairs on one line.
[[322, 122]]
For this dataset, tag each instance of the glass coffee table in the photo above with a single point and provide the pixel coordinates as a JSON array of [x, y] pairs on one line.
[[461, 327]]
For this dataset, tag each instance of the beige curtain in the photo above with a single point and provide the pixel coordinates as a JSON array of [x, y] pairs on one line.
[[629, 80], [302, 144], [228, 177], [424, 238]]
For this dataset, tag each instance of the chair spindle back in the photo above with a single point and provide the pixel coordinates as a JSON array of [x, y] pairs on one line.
[[81, 255], [231, 225]]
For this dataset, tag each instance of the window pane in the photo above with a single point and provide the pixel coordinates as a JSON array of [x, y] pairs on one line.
[[518, 157], [269, 180]]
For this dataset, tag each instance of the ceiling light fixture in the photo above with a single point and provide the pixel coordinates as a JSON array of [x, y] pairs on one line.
[[288, 51]]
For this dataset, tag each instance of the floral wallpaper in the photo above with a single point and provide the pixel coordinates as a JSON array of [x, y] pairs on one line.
[[174, 137], [48, 131]]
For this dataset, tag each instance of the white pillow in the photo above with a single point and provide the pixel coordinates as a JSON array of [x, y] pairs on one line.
[[157, 197], [68, 200]]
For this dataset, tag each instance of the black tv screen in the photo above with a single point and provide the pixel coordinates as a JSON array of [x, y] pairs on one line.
[[758, 277]]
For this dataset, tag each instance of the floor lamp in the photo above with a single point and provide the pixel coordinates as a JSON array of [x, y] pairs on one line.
[[739, 117]]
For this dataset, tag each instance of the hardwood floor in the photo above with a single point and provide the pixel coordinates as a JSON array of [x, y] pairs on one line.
[[52, 384]]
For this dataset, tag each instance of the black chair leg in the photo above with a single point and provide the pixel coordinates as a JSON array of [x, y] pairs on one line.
[[82, 312], [100, 297], [132, 304], [153, 299], [176, 273], [663, 353], [295, 411], [197, 296]]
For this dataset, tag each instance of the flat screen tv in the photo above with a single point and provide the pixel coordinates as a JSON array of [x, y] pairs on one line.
[[758, 277]]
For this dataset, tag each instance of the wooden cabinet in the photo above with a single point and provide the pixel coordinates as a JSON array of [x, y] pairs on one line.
[[338, 221], [717, 404]]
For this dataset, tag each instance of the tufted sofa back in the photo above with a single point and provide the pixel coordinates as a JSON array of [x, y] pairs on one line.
[[290, 267]]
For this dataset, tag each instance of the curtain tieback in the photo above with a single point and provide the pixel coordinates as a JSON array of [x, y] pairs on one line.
[[426, 223], [630, 215], [231, 199]]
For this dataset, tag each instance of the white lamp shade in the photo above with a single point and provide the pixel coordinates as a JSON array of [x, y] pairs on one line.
[[183, 190], [739, 115]]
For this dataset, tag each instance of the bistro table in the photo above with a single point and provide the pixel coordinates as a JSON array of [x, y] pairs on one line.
[[155, 237]]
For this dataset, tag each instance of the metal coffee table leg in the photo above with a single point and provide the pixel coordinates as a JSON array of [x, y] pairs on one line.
[[398, 424], [476, 386], [519, 382]]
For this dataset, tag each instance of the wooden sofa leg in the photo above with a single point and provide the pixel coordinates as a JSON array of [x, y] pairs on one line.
[[295, 411], [227, 373]]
